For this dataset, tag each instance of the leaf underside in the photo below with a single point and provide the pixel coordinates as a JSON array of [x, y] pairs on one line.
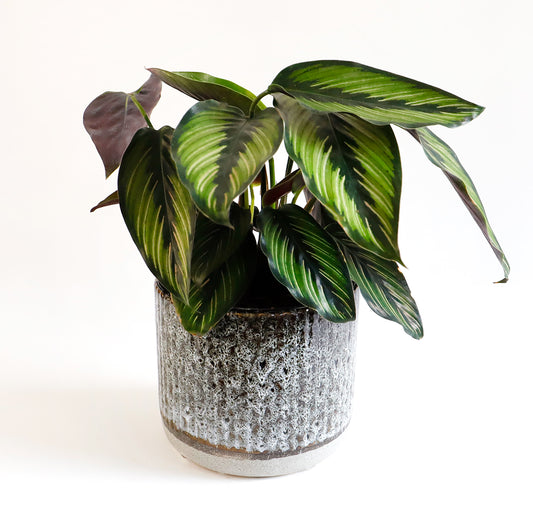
[[219, 151], [158, 209], [352, 167], [306, 260], [112, 120], [202, 86]]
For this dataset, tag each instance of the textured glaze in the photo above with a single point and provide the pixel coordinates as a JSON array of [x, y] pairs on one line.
[[259, 386]]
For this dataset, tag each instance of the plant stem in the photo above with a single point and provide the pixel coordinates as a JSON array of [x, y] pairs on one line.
[[272, 171], [256, 101], [264, 184], [252, 204], [290, 162], [309, 205], [142, 110], [272, 176], [296, 194]]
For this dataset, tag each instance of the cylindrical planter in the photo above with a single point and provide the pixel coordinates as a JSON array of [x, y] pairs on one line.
[[264, 393]]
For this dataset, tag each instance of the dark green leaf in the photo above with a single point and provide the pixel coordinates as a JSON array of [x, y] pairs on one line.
[[211, 300], [375, 95], [112, 199], [157, 208], [441, 155], [219, 151], [112, 119], [305, 259], [215, 243], [381, 283], [352, 167], [202, 86]]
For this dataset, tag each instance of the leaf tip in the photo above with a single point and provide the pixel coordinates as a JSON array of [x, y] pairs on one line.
[[502, 281]]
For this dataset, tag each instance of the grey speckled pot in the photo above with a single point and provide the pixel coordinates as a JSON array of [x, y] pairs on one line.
[[261, 394]]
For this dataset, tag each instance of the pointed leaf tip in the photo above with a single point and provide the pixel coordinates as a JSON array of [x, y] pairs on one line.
[[443, 157], [382, 284], [112, 199], [377, 96]]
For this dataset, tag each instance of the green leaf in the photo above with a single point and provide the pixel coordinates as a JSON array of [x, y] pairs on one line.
[[375, 95], [157, 208], [202, 86], [441, 155], [112, 119], [381, 283], [211, 300], [215, 243], [112, 199], [306, 260], [352, 167], [219, 151]]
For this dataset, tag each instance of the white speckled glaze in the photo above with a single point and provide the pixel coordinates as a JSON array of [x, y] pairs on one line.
[[261, 394]]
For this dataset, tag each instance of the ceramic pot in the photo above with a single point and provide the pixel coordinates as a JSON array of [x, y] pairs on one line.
[[263, 393]]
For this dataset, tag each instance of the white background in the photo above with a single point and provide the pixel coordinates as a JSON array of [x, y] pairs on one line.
[[442, 430]]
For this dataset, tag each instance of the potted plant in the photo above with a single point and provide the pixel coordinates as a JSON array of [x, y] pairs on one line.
[[255, 272]]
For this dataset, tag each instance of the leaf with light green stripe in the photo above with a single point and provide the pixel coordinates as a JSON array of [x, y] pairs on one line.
[[215, 243], [375, 95], [382, 284], [219, 151], [211, 300], [202, 86], [306, 260], [352, 167], [157, 208], [441, 155]]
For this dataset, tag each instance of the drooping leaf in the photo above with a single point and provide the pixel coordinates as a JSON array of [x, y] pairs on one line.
[[112, 199], [157, 208], [375, 95], [306, 260], [382, 284], [441, 155], [215, 243], [219, 151], [209, 301], [352, 167], [202, 86], [112, 120]]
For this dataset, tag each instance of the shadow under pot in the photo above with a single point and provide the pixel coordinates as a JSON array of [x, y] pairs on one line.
[[263, 393]]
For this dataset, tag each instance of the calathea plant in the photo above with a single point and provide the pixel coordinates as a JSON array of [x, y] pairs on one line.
[[193, 196]]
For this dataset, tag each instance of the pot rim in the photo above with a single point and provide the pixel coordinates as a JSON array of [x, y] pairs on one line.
[[249, 311]]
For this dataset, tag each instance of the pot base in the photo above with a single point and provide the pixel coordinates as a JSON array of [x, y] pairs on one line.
[[246, 465]]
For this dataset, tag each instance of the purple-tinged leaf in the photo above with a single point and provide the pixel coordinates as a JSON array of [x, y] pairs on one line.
[[289, 184], [112, 199], [113, 118]]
